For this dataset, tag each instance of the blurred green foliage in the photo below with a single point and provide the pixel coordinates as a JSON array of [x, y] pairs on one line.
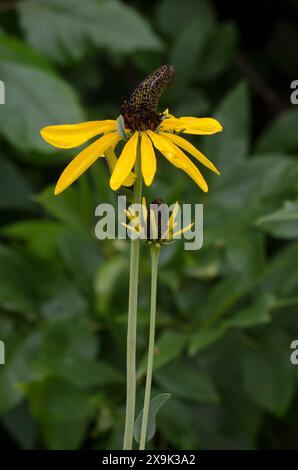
[[226, 314]]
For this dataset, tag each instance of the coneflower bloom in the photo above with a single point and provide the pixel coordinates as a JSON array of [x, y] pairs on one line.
[[157, 224], [142, 128]]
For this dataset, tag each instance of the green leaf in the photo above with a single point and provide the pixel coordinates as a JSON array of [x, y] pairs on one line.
[[256, 314], [65, 344], [15, 191], [173, 19], [21, 425], [169, 345], [219, 51], [206, 337], [188, 382], [155, 404], [64, 31], [105, 281], [185, 64], [65, 436], [17, 291], [224, 295], [230, 147], [282, 275], [81, 258], [43, 97], [58, 401], [268, 373], [282, 223], [279, 136], [31, 233], [64, 208], [17, 371]]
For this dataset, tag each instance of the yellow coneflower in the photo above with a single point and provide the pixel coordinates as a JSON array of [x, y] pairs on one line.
[[139, 124], [150, 223]]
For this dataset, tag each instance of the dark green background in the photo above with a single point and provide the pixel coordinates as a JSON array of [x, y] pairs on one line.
[[226, 314]]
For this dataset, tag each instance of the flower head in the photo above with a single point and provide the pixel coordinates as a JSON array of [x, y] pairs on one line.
[[156, 224], [143, 129]]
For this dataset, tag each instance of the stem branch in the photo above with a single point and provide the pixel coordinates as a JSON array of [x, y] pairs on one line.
[[132, 318], [154, 268]]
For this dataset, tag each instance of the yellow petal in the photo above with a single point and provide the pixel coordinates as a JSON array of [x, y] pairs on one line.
[[68, 136], [125, 162], [144, 208], [183, 230], [178, 159], [181, 142], [112, 160], [84, 160], [192, 125], [148, 159]]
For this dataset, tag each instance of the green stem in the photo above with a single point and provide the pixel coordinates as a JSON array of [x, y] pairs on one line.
[[154, 268], [132, 319]]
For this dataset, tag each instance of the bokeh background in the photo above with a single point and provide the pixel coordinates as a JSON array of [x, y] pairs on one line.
[[227, 313]]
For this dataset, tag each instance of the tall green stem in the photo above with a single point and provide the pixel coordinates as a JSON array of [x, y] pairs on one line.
[[154, 269], [132, 318]]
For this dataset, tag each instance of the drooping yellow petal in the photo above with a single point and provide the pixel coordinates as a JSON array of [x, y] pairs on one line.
[[183, 230], [153, 226], [125, 162], [188, 147], [112, 160], [178, 159], [68, 136], [192, 125], [173, 215], [144, 208], [148, 159], [84, 160]]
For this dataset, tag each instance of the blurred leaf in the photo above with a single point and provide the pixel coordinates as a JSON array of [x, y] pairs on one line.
[[31, 232], [63, 32], [268, 373], [178, 425], [65, 436], [21, 426], [65, 343], [223, 296], [219, 51], [17, 370], [230, 147], [195, 33], [279, 136], [206, 337], [64, 207], [15, 190], [245, 252], [43, 97], [256, 314], [245, 184], [57, 401], [106, 279], [188, 382], [81, 258], [155, 404], [172, 18], [194, 103], [282, 223], [17, 292], [168, 346], [282, 275]]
